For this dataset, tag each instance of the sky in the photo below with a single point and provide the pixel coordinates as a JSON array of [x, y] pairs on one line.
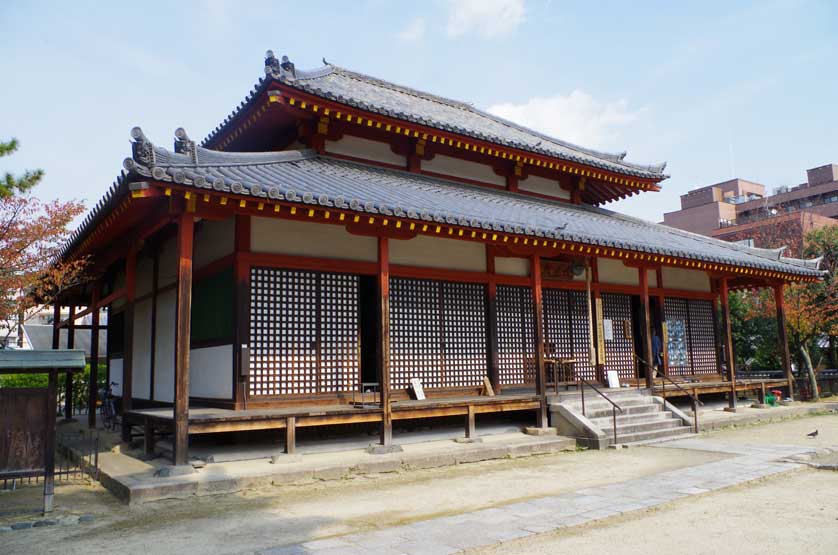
[[716, 89]]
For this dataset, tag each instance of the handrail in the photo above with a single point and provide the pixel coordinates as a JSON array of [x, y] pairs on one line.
[[693, 399], [614, 406]]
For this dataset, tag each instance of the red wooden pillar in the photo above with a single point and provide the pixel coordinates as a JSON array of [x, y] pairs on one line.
[[128, 341], [241, 270], [68, 378], [728, 341], [779, 301], [384, 340], [646, 323], [93, 383], [185, 235], [492, 320], [540, 376]]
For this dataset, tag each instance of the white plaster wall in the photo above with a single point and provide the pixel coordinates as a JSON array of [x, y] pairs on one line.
[[544, 186], [279, 236], [211, 372], [512, 266], [167, 264], [213, 240], [682, 278], [118, 283], [116, 376], [448, 165], [145, 275], [653, 278], [366, 149], [164, 351], [614, 271], [435, 252], [141, 350]]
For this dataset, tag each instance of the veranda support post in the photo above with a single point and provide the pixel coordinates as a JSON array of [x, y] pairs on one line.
[[779, 301], [728, 341], [128, 341], [68, 377], [185, 234], [540, 378], [93, 383], [384, 341], [645, 321]]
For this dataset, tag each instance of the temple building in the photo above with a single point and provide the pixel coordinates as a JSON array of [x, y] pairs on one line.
[[342, 249]]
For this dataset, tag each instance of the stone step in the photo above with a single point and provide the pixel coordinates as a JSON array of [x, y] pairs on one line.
[[623, 420], [605, 410], [654, 434], [600, 403], [590, 395], [648, 426]]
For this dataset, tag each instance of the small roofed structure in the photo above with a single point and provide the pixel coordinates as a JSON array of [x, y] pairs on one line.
[[338, 233]]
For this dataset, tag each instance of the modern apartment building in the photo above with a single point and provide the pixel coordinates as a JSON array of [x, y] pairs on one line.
[[740, 210]]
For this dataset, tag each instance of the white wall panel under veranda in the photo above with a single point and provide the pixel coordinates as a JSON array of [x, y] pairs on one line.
[[611, 270], [447, 165], [141, 349], [279, 236], [435, 252], [211, 372], [689, 280], [213, 240], [366, 149], [116, 376], [164, 351], [543, 186]]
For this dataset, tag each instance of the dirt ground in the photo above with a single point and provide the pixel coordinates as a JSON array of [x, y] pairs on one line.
[[770, 516], [788, 432], [291, 514], [287, 514]]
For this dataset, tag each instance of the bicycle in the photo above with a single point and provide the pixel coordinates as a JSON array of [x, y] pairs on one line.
[[110, 409]]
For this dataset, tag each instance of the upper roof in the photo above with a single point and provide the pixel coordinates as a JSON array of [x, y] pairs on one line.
[[389, 99], [307, 178]]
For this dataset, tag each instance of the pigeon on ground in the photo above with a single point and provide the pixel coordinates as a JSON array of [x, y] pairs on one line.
[[813, 435]]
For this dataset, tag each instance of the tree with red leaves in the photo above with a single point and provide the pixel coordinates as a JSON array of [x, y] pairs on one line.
[[31, 235]]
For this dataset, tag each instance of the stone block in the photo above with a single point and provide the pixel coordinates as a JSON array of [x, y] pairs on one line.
[[536, 431]]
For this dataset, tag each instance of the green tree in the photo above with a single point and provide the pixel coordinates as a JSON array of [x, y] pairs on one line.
[[10, 184]]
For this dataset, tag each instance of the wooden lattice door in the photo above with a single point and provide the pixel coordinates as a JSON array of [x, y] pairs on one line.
[[515, 335], [304, 332], [619, 339], [566, 329], [437, 333], [691, 336]]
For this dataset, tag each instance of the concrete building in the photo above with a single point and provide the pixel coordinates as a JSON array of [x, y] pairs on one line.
[[740, 210]]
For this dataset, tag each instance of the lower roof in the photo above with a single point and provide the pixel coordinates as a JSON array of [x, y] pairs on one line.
[[311, 179]]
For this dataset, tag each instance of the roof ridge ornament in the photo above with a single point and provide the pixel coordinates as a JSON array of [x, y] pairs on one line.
[[142, 149], [279, 68], [185, 145]]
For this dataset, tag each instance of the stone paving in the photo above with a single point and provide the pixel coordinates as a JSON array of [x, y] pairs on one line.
[[452, 534]]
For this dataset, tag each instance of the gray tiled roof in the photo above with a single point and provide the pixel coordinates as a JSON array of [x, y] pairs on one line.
[[382, 97], [304, 177]]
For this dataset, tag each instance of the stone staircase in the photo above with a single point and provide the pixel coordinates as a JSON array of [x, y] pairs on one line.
[[644, 417]]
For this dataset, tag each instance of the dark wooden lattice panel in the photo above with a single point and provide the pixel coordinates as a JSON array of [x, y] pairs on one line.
[[619, 350], [464, 332], [558, 326], [303, 332], [580, 320], [702, 327], [676, 314], [516, 335], [437, 333], [415, 332], [340, 334]]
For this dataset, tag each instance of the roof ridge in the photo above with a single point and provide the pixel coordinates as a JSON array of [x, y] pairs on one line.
[[618, 157]]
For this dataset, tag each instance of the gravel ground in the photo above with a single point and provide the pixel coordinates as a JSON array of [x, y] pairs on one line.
[[770, 516]]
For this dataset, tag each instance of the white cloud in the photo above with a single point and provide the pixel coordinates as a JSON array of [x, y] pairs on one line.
[[413, 31], [577, 118], [487, 18]]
